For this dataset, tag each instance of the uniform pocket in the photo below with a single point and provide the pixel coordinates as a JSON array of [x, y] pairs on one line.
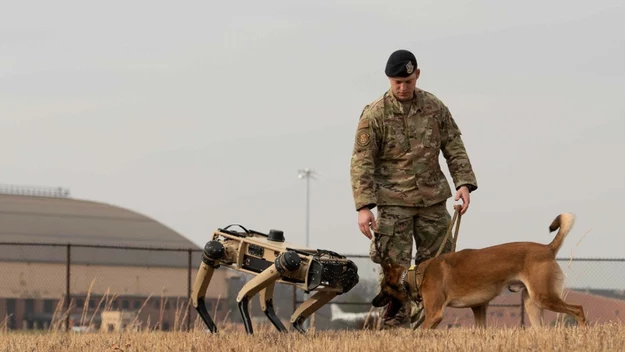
[[397, 143], [431, 138], [381, 237], [392, 241], [385, 226]]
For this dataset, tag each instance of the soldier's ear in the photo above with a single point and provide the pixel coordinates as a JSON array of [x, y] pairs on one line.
[[381, 300]]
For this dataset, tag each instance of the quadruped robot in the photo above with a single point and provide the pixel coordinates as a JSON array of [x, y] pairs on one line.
[[272, 260]]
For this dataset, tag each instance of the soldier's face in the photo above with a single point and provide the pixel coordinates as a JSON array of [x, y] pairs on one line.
[[403, 87]]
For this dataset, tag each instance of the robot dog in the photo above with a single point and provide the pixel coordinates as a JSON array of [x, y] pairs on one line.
[[272, 260]]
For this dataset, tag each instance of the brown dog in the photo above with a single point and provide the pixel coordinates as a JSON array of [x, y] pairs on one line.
[[471, 278]]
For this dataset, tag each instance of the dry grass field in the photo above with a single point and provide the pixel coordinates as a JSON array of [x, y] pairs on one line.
[[609, 337]]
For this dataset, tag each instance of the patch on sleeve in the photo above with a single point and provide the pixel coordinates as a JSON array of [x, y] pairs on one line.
[[363, 138]]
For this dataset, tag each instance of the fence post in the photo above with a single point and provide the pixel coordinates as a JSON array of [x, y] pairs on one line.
[[68, 295], [189, 292]]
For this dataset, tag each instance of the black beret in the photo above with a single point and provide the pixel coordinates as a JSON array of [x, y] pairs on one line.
[[401, 63]]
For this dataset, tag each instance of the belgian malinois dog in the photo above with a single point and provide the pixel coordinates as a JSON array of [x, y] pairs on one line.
[[471, 278]]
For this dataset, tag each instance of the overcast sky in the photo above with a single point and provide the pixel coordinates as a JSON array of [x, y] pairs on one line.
[[199, 114]]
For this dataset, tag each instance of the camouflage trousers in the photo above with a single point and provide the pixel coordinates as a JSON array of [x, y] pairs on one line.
[[398, 229]]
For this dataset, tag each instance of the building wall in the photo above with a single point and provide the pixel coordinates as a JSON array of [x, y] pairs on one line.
[[32, 292], [42, 280], [164, 313]]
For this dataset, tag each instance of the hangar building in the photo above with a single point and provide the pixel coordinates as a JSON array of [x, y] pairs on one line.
[[50, 241]]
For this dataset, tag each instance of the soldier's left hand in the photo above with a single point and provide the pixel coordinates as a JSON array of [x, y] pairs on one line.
[[463, 193]]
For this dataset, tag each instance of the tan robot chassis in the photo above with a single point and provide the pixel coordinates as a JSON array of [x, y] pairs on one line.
[[272, 260]]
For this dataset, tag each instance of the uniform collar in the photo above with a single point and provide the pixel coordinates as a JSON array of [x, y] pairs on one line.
[[396, 105]]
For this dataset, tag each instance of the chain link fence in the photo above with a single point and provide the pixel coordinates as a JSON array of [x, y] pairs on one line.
[[56, 286], [104, 288]]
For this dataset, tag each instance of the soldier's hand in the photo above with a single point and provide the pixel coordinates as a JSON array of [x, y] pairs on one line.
[[366, 222], [463, 193]]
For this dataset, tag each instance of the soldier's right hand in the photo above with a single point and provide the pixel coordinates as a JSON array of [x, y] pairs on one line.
[[366, 222]]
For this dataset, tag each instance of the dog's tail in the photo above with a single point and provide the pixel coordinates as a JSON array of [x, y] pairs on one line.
[[565, 223]]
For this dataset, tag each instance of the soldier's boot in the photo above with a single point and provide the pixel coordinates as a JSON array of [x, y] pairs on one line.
[[417, 315], [397, 315]]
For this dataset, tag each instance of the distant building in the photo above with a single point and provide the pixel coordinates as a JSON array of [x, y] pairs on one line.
[[153, 285]]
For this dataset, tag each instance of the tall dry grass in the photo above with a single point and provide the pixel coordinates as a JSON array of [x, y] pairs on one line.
[[105, 304], [608, 337]]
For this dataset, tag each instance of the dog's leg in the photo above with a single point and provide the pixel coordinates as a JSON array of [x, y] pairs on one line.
[[479, 312], [534, 312], [556, 304], [432, 321], [547, 293], [434, 309]]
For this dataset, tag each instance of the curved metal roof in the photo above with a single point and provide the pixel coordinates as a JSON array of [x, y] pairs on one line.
[[47, 220], [68, 220]]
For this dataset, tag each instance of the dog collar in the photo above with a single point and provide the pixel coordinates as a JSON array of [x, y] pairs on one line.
[[405, 273], [403, 277], [414, 283]]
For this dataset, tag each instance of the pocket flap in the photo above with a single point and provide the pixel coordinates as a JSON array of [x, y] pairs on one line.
[[385, 226]]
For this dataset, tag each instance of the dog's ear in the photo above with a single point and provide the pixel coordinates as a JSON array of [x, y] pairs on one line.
[[381, 300], [386, 267], [395, 266], [390, 267], [393, 275]]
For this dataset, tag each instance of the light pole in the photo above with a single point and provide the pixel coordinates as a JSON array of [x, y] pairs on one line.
[[307, 174]]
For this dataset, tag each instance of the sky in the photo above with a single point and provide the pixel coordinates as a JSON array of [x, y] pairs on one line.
[[199, 114]]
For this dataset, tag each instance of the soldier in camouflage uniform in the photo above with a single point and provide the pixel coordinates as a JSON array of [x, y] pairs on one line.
[[395, 166]]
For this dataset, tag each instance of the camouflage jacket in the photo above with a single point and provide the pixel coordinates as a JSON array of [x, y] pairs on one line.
[[395, 158]]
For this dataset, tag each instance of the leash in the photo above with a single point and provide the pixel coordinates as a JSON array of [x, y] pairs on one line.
[[417, 270], [457, 217]]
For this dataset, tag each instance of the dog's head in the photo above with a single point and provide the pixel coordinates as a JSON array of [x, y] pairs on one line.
[[393, 286]]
